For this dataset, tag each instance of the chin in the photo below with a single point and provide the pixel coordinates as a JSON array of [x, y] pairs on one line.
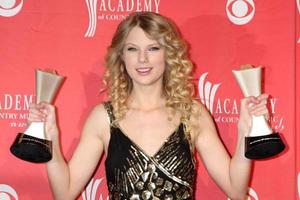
[[147, 82]]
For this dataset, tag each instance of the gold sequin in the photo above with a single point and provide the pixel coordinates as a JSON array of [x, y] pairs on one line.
[[139, 185], [135, 197], [168, 186], [146, 194], [167, 175], [168, 197]]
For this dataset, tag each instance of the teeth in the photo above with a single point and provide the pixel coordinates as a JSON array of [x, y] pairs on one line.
[[143, 69]]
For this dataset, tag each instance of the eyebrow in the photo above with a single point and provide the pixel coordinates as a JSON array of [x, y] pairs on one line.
[[129, 43]]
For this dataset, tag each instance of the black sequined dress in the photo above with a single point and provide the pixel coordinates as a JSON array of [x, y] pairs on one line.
[[133, 175]]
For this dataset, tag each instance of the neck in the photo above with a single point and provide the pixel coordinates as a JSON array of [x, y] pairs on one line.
[[146, 97]]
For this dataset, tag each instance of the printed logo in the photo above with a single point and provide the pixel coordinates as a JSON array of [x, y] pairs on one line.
[[207, 92], [226, 110], [115, 10], [223, 110], [14, 108], [91, 190], [240, 12], [251, 195], [7, 193], [92, 9], [8, 8]]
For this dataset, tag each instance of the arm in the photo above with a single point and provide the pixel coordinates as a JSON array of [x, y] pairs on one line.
[[230, 174], [68, 179]]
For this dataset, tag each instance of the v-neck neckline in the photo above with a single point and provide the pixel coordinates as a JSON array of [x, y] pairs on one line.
[[141, 149]]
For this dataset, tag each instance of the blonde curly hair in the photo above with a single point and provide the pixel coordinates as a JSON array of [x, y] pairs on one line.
[[177, 79]]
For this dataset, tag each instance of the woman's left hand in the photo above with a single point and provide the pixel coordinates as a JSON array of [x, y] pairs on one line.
[[255, 106]]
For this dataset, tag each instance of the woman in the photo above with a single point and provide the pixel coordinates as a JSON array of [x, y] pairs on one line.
[[151, 125]]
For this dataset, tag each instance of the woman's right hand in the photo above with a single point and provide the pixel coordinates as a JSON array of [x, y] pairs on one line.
[[44, 112]]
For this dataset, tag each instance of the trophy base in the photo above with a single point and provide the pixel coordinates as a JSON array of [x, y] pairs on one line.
[[32, 149], [260, 147]]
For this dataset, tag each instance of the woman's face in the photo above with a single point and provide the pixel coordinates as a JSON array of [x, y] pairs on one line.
[[144, 58]]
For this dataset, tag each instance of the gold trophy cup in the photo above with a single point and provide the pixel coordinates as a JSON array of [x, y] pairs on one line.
[[261, 142], [32, 145]]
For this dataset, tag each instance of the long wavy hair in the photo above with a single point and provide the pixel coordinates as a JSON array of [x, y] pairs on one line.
[[177, 79]]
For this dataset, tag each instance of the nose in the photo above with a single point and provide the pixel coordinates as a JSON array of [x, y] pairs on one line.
[[143, 57]]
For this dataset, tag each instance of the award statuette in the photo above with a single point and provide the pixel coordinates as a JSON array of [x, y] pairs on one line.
[[32, 145], [261, 142]]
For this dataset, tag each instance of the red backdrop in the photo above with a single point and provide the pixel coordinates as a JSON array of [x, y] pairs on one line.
[[72, 36]]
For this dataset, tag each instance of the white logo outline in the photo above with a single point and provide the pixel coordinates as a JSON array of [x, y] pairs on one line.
[[92, 9], [6, 189], [207, 91], [9, 11], [91, 190], [251, 193], [240, 20]]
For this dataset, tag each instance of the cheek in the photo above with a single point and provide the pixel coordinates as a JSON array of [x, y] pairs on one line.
[[129, 64], [160, 60], [128, 61]]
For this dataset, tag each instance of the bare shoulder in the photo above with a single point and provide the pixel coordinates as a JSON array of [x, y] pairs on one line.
[[97, 121], [200, 114], [99, 111], [201, 119]]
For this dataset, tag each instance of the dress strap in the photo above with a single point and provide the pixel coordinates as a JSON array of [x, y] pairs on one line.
[[188, 137], [109, 109]]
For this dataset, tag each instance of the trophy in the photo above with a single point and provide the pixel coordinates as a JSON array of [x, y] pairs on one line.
[[32, 145], [261, 142]]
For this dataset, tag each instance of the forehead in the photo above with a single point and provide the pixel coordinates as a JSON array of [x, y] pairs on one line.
[[138, 36]]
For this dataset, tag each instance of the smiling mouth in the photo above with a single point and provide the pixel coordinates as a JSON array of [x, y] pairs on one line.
[[144, 70]]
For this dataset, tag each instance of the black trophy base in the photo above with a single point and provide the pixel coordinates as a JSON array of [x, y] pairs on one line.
[[32, 149], [261, 147]]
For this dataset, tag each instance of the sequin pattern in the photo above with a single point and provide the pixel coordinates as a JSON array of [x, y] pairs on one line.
[[134, 175]]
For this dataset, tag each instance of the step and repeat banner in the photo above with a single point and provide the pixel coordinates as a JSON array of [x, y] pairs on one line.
[[72, 36]]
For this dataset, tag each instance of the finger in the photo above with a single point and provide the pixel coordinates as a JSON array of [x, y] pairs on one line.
[[35, 108], [46, 107], [258, 107], [253, 101], [36, 119], [263, 96], [35, 112], [248, 101], [261, 104], [32, 105], [260, 111], [44, 111]]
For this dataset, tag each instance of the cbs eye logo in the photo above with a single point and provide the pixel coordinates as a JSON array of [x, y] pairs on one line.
[[9, 8], [240, 12], [7, 193]]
